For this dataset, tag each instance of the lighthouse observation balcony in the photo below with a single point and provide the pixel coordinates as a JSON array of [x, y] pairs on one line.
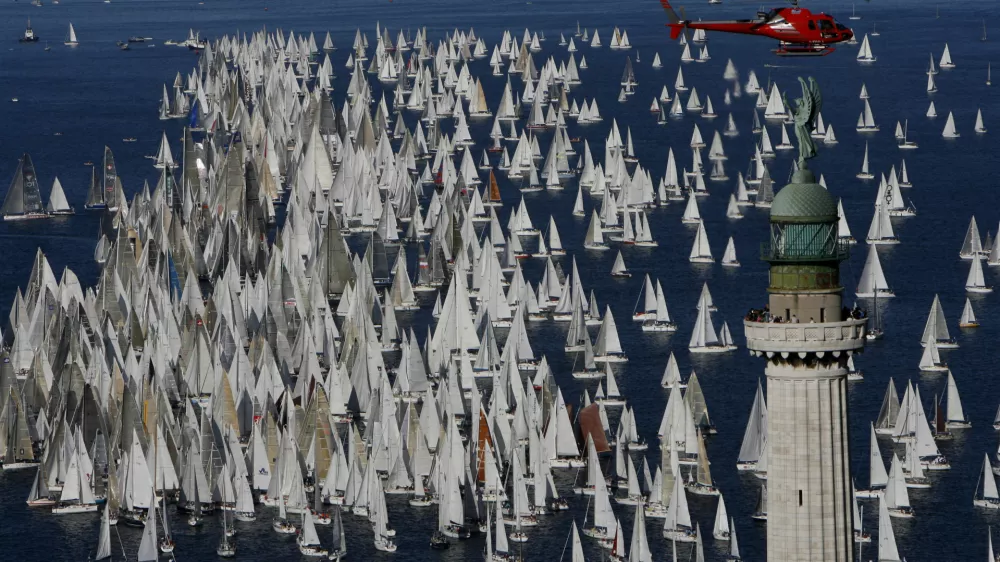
[[786, 338]]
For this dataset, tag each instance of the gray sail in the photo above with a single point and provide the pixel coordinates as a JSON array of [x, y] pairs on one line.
[[109, 177], [95, 196], [24, 196]]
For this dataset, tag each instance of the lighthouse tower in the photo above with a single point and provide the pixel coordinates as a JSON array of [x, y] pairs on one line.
[[809, 475]]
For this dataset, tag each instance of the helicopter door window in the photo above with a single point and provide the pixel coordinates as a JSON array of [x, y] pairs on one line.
[[812, 25], [825, 25]]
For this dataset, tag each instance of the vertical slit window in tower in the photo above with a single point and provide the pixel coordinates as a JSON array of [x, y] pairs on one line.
[[800, 498], [822, 315], [788, 314]]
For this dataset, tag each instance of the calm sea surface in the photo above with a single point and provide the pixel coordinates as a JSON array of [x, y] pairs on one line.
[[72, 102]]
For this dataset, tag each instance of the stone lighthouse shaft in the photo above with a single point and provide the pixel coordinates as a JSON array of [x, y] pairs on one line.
[[806, 337]]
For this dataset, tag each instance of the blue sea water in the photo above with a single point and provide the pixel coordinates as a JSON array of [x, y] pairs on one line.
[[96, 95]]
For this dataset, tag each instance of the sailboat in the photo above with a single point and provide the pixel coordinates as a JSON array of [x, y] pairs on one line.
[[104, 544], [866, 120], [980, 127], [878, 478], [949, 131], [865, 51], [975, 283], [722, 529], [702, 484], [887, 551], [677, 525], [760, 512], [955, 412], [896, 498], [986, 488], [946, 61], [58, 205], [701, 252], [930, 360], [71, 39], [755, 435], [148, 547], [308, 539], [77, 495], [968, 319], [24, 198], [102, 187], [873, 281], [729, 256], [903, 142], [936, 327], [619, 269]]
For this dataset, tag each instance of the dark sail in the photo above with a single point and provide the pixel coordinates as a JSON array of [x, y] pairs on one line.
[[24, 196]]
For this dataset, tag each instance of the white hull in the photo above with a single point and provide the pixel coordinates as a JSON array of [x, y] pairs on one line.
[[659, 327], [680, 536], [701, 490], [20, 466], [611, 359], [988, 504], [565, 463], [712, 349], [75, 508]]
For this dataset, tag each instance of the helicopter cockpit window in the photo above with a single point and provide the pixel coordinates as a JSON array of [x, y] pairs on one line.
[[812, 25], [825, 25]]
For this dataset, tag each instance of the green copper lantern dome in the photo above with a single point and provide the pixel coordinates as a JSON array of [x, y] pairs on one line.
[[803, 201]]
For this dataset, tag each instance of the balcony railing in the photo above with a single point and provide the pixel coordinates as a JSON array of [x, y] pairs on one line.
[[848, 335]]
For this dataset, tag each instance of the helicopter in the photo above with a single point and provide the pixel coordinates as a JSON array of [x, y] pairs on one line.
[[799, 31]]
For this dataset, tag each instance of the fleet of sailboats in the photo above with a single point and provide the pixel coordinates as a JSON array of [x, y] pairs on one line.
[[429, 433]]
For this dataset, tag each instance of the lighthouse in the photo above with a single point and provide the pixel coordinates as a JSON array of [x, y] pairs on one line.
[[806, 339]]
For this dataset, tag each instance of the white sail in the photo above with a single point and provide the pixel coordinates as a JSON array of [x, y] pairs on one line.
[[872, 277], [989, 480], [946, 61], [896, 495], [968, 318], [104, 543], [678, 517], [756, 432], [975, 282], [877, 476], [721, 531], [701, 252], [887, 551], [949, 131], [729, 257], [865, 51], [955, 412], [149, 546]]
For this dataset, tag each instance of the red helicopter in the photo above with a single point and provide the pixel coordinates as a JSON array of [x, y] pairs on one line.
[[798, 30]]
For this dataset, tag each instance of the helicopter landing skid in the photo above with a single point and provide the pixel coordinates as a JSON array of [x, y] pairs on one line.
[[802, 49]]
